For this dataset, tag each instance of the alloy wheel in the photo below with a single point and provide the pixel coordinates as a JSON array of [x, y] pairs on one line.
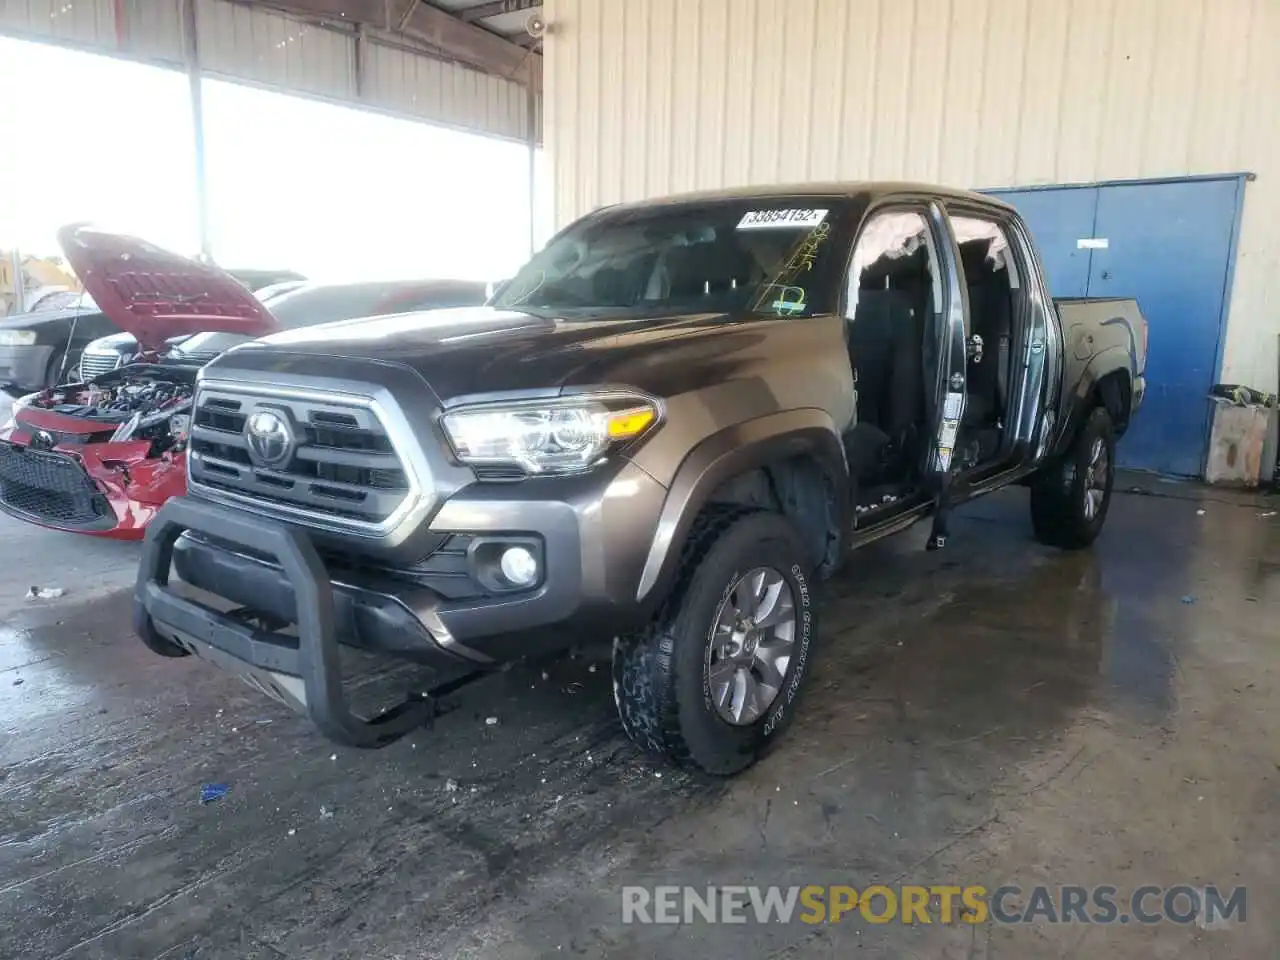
[[751, 643]]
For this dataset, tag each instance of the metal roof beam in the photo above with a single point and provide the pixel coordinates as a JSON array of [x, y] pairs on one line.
[[464, 42], [496, 8]]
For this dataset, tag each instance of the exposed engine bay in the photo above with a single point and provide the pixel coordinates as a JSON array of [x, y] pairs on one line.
[[142, 401]]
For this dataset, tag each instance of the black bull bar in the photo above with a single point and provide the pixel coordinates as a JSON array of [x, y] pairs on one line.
[[260, 655]]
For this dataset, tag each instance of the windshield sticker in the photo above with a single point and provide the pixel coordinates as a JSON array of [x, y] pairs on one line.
[[790, 301], [765, 219], [807, 252]]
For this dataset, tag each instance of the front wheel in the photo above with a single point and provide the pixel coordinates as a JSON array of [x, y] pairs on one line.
[[714, 680], [1071, 496]]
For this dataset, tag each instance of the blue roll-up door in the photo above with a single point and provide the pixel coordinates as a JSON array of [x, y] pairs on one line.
[[1169, 244], [1059, 218]]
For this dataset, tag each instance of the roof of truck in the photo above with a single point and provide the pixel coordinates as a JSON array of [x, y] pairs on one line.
[[871, 189]]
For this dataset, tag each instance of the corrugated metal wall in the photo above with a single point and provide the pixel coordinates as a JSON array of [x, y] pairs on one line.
[[404, 82], [654, 96], [243, 43], [238, 41]]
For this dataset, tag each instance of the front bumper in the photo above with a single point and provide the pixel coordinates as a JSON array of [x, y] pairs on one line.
[[23, 368], [305, 672], [110, 490], [593, 535]]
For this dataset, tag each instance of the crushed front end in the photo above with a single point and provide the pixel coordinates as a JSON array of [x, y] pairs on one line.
[[101, 457]]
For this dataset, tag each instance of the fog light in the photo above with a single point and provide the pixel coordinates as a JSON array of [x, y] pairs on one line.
[[519, 566]]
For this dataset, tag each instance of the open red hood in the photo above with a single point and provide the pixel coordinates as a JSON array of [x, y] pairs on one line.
[[154, 294]]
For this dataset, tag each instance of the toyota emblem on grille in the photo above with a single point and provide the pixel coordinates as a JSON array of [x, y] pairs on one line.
[[41, 440], [270, 438]]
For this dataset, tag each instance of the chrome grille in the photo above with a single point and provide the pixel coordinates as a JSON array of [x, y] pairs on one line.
[[95, 364], [342, 466]]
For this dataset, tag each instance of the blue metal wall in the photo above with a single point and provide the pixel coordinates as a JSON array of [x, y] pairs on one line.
[[1170, 245]]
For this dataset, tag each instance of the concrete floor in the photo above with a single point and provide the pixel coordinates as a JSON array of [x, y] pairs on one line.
[[997, 713]]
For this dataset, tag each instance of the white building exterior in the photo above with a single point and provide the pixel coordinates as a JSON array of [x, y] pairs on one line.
[[647, 97]]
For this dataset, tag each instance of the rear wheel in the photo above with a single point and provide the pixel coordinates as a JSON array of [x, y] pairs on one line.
[[714, 680], [1071, 496]]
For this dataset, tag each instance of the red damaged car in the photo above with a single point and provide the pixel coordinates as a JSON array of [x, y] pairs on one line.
[[100, 457]]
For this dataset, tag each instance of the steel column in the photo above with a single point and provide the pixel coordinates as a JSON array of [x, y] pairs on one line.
[[191, 59], [532, 132]]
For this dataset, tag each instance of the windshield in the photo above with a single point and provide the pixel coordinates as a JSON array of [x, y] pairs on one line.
[[764, 255]]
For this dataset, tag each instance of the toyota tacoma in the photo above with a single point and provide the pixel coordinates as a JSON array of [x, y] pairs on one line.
[[667, 428]]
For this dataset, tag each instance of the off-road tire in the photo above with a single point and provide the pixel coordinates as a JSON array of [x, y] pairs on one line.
[[1058, 512], [660, 684]]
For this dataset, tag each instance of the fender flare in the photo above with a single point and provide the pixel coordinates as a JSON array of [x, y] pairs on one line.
[[730, 452], [1105, 363]]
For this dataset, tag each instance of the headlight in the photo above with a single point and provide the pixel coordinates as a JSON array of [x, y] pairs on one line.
[[17, 338], [552, 436]]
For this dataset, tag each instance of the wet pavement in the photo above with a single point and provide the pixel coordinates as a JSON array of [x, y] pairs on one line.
[[995, 713]]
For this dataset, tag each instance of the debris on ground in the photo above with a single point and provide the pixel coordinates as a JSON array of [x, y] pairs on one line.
[[19, 682], [1199, 513], [1264, 516], [1188, 599], [490, 721], [1242, 396], [44, 593], [451, 785], [326, 813], [333, 756], [213, 791]]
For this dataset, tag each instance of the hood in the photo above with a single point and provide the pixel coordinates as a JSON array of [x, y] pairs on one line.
[[156, 295], [42, 318], [120, 342], [127, 343], [471, 350]]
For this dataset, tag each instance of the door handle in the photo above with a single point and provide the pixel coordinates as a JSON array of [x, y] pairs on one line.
[[1106, 274]]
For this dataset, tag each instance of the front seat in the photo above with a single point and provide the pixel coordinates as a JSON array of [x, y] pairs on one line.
[[709, 269], [885, 352]]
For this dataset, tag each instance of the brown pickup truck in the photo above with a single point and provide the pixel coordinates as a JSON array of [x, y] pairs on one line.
[[668, 428]]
